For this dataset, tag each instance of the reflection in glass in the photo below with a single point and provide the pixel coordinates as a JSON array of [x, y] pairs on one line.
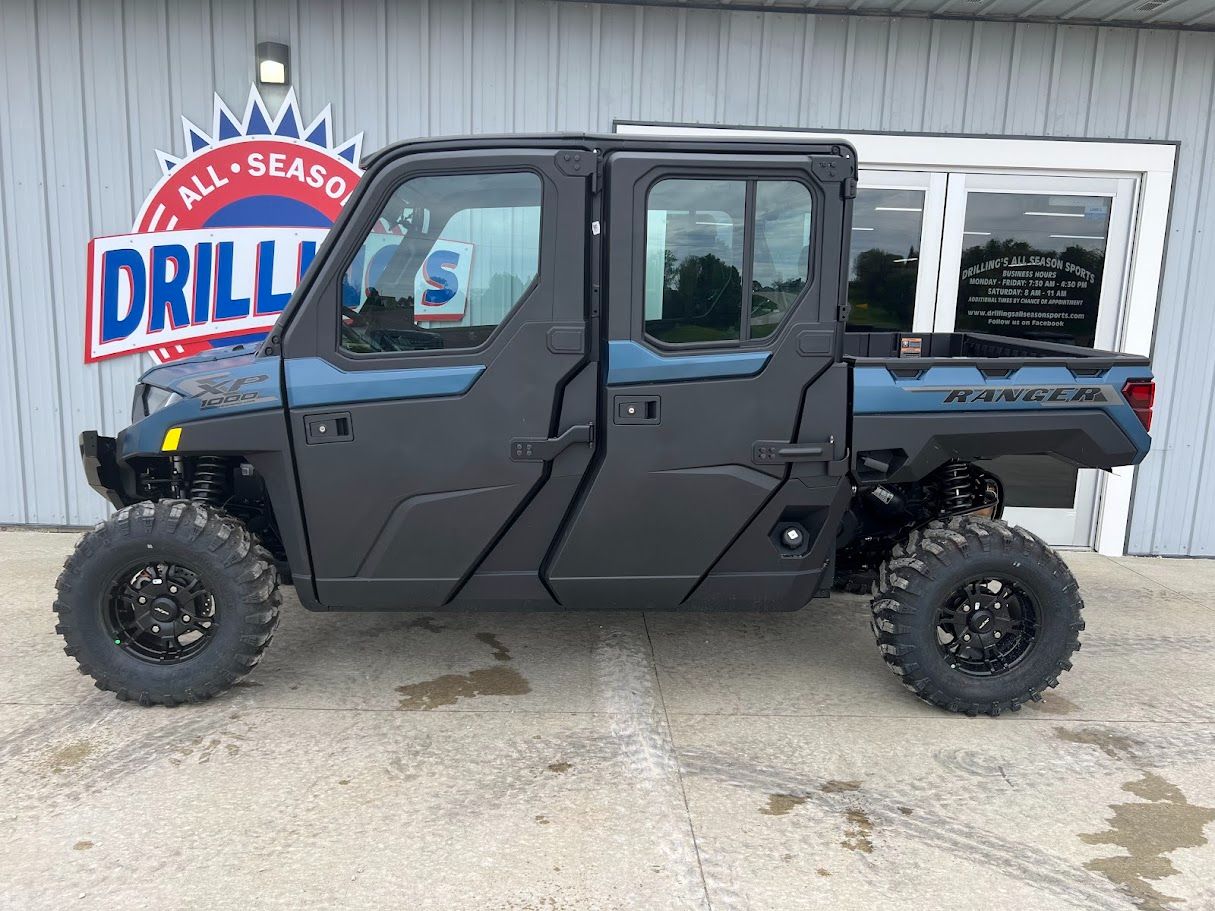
[[694, 256], [782, 252], [449, 257], [886, 226], [1032, 265]]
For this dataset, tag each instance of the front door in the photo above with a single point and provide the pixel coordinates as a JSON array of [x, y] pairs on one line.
[[442, 344], [719, 477]]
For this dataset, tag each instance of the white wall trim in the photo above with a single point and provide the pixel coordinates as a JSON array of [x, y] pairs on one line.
[[1153, 163]]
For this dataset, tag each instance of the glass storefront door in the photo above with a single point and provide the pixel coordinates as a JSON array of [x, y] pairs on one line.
[[896, 250], [1041, 257]]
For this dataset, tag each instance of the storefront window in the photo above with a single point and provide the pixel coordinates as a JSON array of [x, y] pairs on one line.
[[886, 227], [1032, 265]]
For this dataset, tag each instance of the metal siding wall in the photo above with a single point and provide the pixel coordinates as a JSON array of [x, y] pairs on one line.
[[92, 88]]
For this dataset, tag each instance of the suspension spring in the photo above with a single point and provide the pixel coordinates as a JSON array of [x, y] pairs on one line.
[[958, 487], [210, 480]]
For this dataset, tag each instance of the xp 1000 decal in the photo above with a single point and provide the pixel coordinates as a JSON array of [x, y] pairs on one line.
[[223, 238]]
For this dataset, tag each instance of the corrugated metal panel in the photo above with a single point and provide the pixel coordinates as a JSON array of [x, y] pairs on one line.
[[95, 87]]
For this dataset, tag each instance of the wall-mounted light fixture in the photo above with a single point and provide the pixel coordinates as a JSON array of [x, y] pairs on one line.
[[272, 63]]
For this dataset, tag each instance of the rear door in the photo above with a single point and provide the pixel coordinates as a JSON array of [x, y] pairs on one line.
[[724, 411], [442, 345]]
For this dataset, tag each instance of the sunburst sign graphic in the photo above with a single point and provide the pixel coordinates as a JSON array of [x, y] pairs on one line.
[[224, 237]]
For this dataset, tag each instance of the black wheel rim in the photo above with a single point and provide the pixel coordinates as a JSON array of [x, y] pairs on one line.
[[987, 626], [161, 613]]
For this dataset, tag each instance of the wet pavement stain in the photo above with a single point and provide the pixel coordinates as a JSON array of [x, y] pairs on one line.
[[426, 623], [559, 767], [780, 804], [82, 845], [1053, 704], [69, 756], [1116, 746], [839, 787], [856, 835], [450, 688], [1165, 821], [501, 652]]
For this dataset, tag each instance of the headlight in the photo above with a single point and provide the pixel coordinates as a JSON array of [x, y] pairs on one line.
[[150, 399]]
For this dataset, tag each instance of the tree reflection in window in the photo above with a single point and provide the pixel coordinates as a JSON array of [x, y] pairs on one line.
[[886, 227], [1036, 270], [694, 257]]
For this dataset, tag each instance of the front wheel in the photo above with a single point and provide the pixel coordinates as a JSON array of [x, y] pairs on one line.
[[167, 602], [976, 616]]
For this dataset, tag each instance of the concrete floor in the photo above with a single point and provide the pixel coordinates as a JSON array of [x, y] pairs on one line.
[[552, 761]]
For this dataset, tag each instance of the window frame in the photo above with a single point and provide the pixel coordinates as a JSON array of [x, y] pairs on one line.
[[381, 200], [751, 179]]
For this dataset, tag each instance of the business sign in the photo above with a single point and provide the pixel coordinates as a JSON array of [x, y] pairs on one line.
[[223, 238], [441, 286], [1039, 294]]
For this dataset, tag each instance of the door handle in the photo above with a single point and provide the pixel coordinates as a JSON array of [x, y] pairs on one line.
[[331, 427], [545, 449], [632, 409], [767, 452]]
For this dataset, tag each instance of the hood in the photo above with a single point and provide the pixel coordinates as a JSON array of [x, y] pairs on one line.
[[183, 376]]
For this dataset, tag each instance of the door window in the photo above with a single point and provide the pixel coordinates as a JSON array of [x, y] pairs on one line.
[[1032, 265], [886, 228], [782, 252], [448, 259], [701, 250], [694, 260]]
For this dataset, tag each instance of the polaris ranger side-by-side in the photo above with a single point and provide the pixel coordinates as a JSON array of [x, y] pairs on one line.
[[580, 372]]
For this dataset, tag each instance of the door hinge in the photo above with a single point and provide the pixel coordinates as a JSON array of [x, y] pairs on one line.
[[838, 168], [580, 163]]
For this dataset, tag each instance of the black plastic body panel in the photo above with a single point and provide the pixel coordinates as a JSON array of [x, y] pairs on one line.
[[102, 469], [1089, 438]]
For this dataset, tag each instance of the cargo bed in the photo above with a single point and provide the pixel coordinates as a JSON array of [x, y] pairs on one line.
[[968, 396], [977, 348]]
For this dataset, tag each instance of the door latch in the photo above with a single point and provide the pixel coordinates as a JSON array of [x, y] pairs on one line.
[[631, 409], [545, 449], [332, 427]]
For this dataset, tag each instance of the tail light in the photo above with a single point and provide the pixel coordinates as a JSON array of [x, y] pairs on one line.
[[1141, 395]]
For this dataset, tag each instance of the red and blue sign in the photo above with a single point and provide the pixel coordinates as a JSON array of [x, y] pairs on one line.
[[224, 237]]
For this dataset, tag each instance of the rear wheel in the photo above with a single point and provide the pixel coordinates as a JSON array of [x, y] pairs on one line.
[[167, 602], [976, 616]]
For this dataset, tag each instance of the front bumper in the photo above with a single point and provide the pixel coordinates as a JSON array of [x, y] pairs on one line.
[[100, 457]]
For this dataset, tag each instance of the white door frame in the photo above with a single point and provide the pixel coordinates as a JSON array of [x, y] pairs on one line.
[[1153, 164]]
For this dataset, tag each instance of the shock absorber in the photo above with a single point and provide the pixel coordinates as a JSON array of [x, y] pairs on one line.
[[957, 487], [210, 481]]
